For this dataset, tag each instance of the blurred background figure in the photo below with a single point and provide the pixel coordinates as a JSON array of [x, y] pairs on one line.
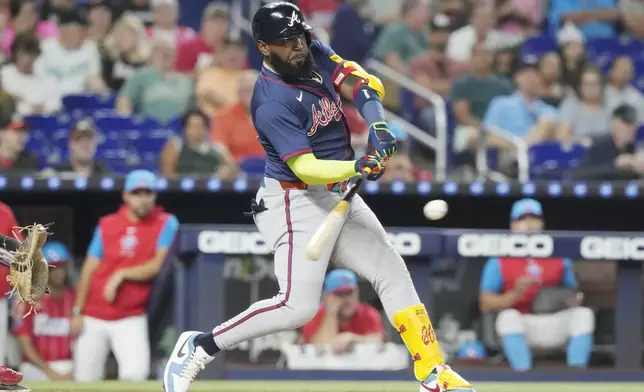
[[45, 335], [552, 90], [99, 17], [142, 9], [620, 89], [166, 18], [24, 18], [342, 319], [194, 154], [13, 136], [82, 145], [534, 313]]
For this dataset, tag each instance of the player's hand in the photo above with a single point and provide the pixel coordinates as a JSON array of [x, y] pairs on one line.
[[77, 325], [55, 376], [522, 284], [112, 286], [341, 342], [373, 163], [382, 140]]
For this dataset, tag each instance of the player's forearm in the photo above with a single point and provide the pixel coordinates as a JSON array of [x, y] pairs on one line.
[[31, 354], [82, 289], [492, 302], [143, 272], [317, 171], [327, 331]]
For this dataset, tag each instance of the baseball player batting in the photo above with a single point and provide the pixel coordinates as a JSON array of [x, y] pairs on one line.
[[296, 108]]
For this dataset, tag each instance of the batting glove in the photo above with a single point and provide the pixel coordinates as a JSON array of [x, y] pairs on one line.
[[373, 163], [382, 140]]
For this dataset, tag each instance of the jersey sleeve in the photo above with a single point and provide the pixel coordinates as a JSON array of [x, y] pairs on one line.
[[491, 278], [168, 233], [283, 129], [569, 280], [96, 246], [309, 329], [325, 57]]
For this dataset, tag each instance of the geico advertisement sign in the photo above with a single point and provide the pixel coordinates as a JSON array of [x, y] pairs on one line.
[[612, 248], [505, 245], [240, 242]]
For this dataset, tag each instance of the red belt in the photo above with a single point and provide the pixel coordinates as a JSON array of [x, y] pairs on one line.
[[301, 185]]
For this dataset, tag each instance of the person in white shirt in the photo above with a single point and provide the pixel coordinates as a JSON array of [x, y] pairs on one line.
[[71, 59], [34, 94], [620, 90], [481, 28]]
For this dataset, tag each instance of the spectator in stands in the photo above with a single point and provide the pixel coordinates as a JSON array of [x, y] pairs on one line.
[[194, 154], [620, 90], [198, 52], [125, 49], [141, 9], [100, 20], [352, 32], [217, 85], [157, 90], [506, 62], [534, 312], [552, 91], [50, 8], [166, 17], [342, 319], [585, 116], [13, 136], [24, 19], [33, 93], [319, 12], [233, 126], [45, 337], [471, 95], [613, 156], [595, 19], [82, 143], [522, 17], [399, 168], [481, 28], [632, 13], [532, 119], [71, 59], [571, 43], [403, 39]]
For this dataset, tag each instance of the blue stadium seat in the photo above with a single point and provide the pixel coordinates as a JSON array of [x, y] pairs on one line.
[[549, 160], [253, 166], [534, 47], [49, 125], [125, 129], [89, 102]]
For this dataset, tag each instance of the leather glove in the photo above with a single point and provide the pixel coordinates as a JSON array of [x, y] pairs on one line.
[[382, 140], [373, 162]]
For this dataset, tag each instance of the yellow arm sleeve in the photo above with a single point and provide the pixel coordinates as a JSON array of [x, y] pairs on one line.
[[315, 171]]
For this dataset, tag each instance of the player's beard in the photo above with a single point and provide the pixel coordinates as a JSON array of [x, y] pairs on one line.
[[289, 71]]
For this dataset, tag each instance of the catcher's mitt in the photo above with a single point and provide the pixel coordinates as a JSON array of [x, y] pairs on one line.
[[29, 271]]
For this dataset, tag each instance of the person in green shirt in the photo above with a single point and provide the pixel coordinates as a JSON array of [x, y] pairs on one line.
[[472, 93], [157, 90], [399, 42]]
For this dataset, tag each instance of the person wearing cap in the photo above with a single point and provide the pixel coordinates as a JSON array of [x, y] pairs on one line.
[[82, 144], [71, 59], [13, 137], [45, 335], [166, 17], [124, 256], [522, 114], [536, 300], [342, 319], [614, 156], [198, 52], [34, 93]]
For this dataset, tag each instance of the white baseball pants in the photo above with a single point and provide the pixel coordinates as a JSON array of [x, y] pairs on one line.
[[33, 373]]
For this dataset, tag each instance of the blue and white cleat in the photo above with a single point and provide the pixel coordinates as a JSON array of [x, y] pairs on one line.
[[444, 379], [186, 361]]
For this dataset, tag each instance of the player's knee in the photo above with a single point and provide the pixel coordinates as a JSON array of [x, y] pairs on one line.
[[134, 373], [582, 321], [303, 314], [509, 322]]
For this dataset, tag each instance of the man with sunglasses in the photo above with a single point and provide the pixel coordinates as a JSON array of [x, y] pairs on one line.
[[123, 259]]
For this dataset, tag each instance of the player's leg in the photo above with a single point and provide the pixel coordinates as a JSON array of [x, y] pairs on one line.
[[131, 347], [513, 329], [287, 224], [581, 327], [4, 328], [91, 351], [363, 246]]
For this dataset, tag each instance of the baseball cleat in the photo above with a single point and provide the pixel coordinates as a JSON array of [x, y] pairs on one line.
[[9, 377], [444, 379], [186, 361]]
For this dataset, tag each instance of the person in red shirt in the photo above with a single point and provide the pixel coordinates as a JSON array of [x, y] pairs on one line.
[[166, 16], [198, 52], [125, 255], [343, 320], [44, 335]]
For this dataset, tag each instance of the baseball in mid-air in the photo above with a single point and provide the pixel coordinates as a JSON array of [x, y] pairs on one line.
[[435, 209]]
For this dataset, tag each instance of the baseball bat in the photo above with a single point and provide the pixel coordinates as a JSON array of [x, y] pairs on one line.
[[331, 225]]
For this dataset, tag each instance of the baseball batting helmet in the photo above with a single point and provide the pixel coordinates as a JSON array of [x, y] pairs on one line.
[[279, 20]]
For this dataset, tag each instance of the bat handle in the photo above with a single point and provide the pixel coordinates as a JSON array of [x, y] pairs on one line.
[[365, 173]]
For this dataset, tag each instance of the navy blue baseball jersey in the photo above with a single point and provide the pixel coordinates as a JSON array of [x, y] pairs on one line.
[[295, 119]]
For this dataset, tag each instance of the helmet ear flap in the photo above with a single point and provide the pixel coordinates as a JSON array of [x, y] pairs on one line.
[[307, 35]]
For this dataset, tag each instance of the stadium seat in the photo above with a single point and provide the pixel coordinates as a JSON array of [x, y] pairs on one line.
[[89, 102], [125, 129], [253, 166], [534, 47], [549, 160]]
